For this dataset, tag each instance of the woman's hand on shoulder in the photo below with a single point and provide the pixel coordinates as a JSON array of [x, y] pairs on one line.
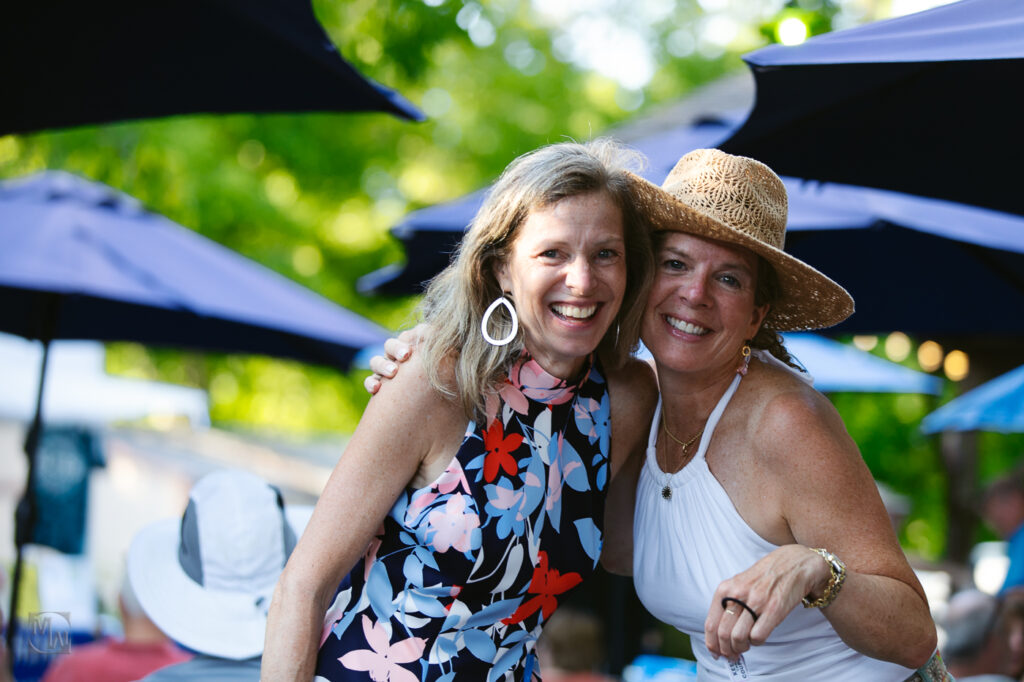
[[396, 350]]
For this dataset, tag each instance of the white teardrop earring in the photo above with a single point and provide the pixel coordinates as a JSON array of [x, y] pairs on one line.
[[501, 300]]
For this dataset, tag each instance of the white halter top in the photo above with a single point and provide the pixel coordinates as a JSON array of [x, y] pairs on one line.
[[686, 543]]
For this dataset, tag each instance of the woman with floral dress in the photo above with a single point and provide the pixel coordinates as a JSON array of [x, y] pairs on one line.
[[431, 566]]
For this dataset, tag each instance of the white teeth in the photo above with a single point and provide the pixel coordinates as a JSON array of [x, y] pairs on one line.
[[573, 311], [686, 327]]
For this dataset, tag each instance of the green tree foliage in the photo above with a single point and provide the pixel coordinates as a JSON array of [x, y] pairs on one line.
[[312, 196]]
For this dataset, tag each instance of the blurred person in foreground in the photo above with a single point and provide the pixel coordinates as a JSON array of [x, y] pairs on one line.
[[143, 649], [1002, 507], [572, 647], [752, 497], [982, 638], [470, 500], [206, 579]]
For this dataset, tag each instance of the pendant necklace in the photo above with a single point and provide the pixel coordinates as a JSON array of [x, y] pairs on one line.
[[666, 489]]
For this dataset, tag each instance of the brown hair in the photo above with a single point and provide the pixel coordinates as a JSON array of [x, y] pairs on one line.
[[767, 292]]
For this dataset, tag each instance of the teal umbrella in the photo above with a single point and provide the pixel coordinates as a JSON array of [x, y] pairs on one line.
[[997, 405]]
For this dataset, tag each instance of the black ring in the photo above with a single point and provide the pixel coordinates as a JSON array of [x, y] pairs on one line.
[[726, 600]]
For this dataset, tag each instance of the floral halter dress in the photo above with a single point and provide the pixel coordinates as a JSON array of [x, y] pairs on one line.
[[463, 573]]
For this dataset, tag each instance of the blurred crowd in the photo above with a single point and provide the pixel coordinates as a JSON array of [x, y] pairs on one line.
[[981, 634]]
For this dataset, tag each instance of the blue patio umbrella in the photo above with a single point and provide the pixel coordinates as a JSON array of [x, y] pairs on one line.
[[894, 252], [929, 104], [838, 367], [66, 63], [81, 261], [996, 405]]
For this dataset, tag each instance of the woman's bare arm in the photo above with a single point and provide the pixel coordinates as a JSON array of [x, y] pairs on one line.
[[828, 500], [396, 433]]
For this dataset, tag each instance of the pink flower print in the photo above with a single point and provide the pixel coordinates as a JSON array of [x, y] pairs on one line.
[[452, 478], [417, 504], [507, 499], [537, 384], [383, 658], [514, 398], [453, 527]]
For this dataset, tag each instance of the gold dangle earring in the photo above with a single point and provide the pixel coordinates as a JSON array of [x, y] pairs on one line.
[[744, 359]]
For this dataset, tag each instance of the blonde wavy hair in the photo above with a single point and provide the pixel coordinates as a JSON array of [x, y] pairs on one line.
[[456, 299]]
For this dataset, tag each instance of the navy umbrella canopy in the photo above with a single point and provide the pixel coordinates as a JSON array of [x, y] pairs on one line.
[[929, 104], [81, 261], [919, 265], [66, 63]]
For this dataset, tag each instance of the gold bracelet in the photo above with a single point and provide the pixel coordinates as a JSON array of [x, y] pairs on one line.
[[838, 569]]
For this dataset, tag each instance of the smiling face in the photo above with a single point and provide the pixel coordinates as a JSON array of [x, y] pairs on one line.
[[701, 309], [566, 272]]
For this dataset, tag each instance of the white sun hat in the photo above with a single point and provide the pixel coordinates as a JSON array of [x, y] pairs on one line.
[[206, 579]]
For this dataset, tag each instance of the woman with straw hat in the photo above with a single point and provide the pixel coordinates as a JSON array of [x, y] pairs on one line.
[[751, 497]]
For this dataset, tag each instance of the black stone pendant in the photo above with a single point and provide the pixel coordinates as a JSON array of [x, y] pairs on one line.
[[666, 493]]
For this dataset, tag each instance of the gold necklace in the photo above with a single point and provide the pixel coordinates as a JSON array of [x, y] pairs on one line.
[[666, 489], [687, 443]]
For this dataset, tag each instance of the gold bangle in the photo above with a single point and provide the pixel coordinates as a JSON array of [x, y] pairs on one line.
[[838, 569]]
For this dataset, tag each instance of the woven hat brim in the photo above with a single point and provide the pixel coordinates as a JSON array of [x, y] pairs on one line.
[[808, 300]]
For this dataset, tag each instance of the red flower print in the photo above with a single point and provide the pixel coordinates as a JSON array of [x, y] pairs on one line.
[[545, 584], [499, 451]]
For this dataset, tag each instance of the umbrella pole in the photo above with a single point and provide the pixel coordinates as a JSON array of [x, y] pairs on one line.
[[25, 514]]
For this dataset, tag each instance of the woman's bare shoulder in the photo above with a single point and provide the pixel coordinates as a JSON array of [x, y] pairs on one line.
[[800, 441], [412, 390], [633, 390], [635, 379], [784, 396]]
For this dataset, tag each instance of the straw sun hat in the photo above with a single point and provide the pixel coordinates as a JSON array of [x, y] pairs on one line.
[[741, 201]]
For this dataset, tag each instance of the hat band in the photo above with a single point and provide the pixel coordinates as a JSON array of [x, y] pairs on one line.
[[188, 546]]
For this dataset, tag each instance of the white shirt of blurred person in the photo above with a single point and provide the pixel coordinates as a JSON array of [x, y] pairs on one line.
[[206, 579], [143, 649]]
